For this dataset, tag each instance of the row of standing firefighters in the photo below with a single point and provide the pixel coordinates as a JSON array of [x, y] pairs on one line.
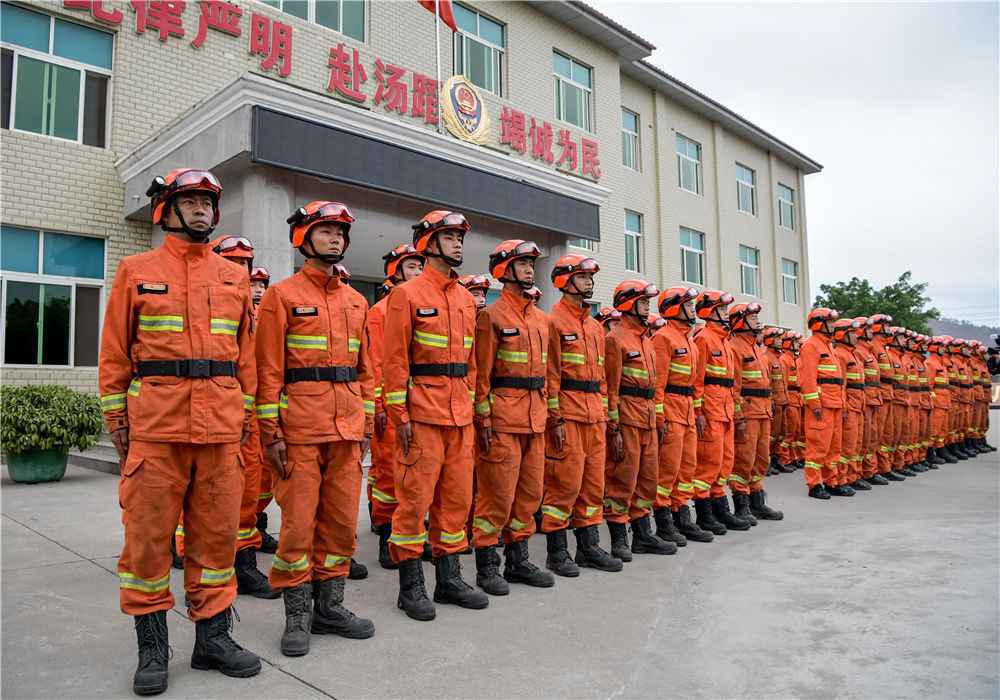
[[486, 423]]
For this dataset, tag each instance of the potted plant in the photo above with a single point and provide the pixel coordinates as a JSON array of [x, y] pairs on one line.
[[38, 426]]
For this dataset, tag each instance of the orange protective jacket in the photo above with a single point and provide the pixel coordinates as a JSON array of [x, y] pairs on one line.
[[977, 371], [963, 379], [178, 302], [512, 340], [924, 387], [309, 320], [885, 370], [937, 379], [430, 320], [790, 366], [755, 376], [715, 359], [779, 380], [630, 365], [819, 373], [900, 394], [873, 385], [854, 376], [676, 365], [376, 347], [576, 352]]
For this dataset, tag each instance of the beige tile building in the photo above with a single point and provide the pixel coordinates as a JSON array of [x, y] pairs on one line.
[[577, 143]]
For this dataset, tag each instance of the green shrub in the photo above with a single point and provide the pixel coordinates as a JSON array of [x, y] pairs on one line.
[[46, 418]]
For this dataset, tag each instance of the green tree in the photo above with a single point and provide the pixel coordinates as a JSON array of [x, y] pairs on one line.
[[904, 300]]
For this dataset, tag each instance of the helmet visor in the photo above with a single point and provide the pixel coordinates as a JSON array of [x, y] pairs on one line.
[[234, 242], [190, 179]]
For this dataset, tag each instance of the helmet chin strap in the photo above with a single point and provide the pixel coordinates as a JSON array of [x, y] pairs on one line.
[[585, 295], [642, 320], [195, 235], [520, 283], [448, 260], [326, 258], [687, 318]]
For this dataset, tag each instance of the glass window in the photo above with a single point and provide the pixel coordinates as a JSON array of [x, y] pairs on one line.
[[573, 86], [789, 281], [344, 16], [37, 330], [18, 249], [479, 49], [746, 185], [688, 164], [630, 139], [582, 243], [749, 271], [82, 44], [786, 206], [633, 241], [692, 256], [24, 27], [73, 256], [7, 77]]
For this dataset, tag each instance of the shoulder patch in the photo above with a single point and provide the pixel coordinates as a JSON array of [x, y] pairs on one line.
[[426, 312], [305, 311], [716, 353], [153, 288]]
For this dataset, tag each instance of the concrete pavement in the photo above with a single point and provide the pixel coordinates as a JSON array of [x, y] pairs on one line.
[[892, 593]]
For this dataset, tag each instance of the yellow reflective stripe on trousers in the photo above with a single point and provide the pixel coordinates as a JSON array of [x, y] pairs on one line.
[[246, 533], [400, 540], [299, 564], [591, 511], [571, 358], [516, 524], [382, 496], [701, 485], [685, 487], [482, 407], [643, 503], [223, 326], [614, 506], [484, 525], [738, 479], [635, 372], [334, 559], [518, 356], [613, 415], [431, 340], [554, 512], [133, 582], [395, 398], [453, 537], [171, 324], [659, 408], [216, 577], [306, 342], [112, 402], [698, 403]]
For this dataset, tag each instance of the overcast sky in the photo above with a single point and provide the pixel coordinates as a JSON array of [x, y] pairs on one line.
[[899, 102]]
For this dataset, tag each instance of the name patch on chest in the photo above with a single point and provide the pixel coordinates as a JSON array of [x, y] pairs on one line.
[[568, 337], [153, 288], [305, 311], [632, 355], [716, 353], [681, 351], [749, 359], [426, 313], [509, 332]]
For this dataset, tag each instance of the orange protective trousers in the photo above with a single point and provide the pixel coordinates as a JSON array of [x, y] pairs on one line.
[[678, 458], [715, 460], [630, 485], [266, 489], [872, 437], [319, 512], [851, 442], [382, 477], [752, 456], [573, 491], [823, 442], [434, 477], [158, 480], [509, 480], [791, 442]]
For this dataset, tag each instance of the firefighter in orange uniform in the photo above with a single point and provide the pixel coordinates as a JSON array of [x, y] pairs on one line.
[[873, 403], [177, 422], [400, 265], [904, 398], [822, 381], [632, 464], [478, 286], [511, 342], [752, 446], [845, 336], [792, 444], [315, 404], [924, 402], [716, 413], [937, 378], [984, 398], [887, 415], [962, 396], [771, 339], [676, 362], [608, 317], [573, 490], [429, 376]]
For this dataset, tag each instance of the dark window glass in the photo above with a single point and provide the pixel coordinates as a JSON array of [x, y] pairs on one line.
[[95, 107]]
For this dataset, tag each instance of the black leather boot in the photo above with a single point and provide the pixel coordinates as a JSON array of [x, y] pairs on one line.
[[947, 455], [720, 508], [249, 579], [741, 508], [176, 560], [877, 480], [961, 454], [331, 617], [451, 588], [861, 485], [413, 598], [215, 649], [760, 509], [839, 490], [268, 544], [384, 556], [645, 542], [789, 468], [518, 569], [298, 620], [154, 654], [666, 529], [687, 527], [619, 541], [933, 458], [357, 571], [589, 552], [819, 491], [488, 572], [558, 559], [706, 518]]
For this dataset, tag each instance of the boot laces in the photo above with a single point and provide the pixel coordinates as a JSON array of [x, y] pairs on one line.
[[222, 626], [152, 642]]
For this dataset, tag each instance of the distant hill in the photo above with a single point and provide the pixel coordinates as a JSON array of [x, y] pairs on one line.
[[962, 329]]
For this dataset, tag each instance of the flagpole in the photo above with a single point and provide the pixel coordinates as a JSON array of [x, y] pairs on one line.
[[437, 55]]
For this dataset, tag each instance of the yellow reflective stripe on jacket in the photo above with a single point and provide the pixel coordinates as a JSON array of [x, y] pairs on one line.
[[431, 340], [133, 582], [635, 372], [369, 407], [223, 326], [172, 324], [353, 344], [306, 342], [513, 356], [554, 512], [267, 410], [572, 358], [718, 370], [679, 368], [395, 398], [334, 559], [828, 368], [399, 539], [112, 402], [659, 408], [884, 365], [298, 565], [751, 374], [871, 372], [853, 375], [777, 375], [216, 577], [452, 537], [466, 341], [247, 402], [382, 496], [940, 380]]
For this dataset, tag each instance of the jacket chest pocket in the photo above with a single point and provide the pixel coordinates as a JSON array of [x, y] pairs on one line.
[[226, 308], [431, 332], [349, 341], [572, 350], [634, 366], [160, 319], [307, 335], [513, 346]]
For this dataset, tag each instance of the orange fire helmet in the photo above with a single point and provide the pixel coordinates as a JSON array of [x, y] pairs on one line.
[[843, 326], [506, 253], [435, 222], [569, 265], [772, 336], [163, 190], [392, 260], [318, 212], [478, 281], [820, 318], [880, 323], [711, 299], [789, 338], [738, 314], [628, 292], [608, 314], [260, 274], [235, 248], [672, 303]]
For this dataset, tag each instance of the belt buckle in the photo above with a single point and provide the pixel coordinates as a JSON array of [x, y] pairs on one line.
[[341, 374], [199, 369]]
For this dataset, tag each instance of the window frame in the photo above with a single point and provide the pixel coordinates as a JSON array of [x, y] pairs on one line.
[[638, 236], [753, 189], [756, 271], [791, 206], [58, 280], [699, 182], [83, 68], [686, 250], [587, 245], [588, 91], [311, 17], [634, 143], [500, 56], [794, 279]]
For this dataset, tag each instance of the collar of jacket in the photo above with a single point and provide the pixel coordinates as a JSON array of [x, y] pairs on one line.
[[681, 326], [630, 324], [320, 278], [437, 279], [717, 329], [518, 302], [177, 246], [579, 311]]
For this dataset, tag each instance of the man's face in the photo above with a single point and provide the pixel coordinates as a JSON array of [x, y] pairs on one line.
[[196, 208], [449, 243], [753, 323], [257, 289], [642, 307], [523, 270], [612, 324], [480, 296], [583, 282], [327, 239], [410, 268]]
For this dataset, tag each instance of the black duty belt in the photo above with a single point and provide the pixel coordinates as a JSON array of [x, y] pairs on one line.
[[963, 386], [636, 391], [517, 382], [450, 369], [890, 382], [193, 369], [871, 384], [925, 388], [830, 380], [856, 385], [682, 390], [580, 385], [719, 381], [321, 374], [794, 387], [758, 393]]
